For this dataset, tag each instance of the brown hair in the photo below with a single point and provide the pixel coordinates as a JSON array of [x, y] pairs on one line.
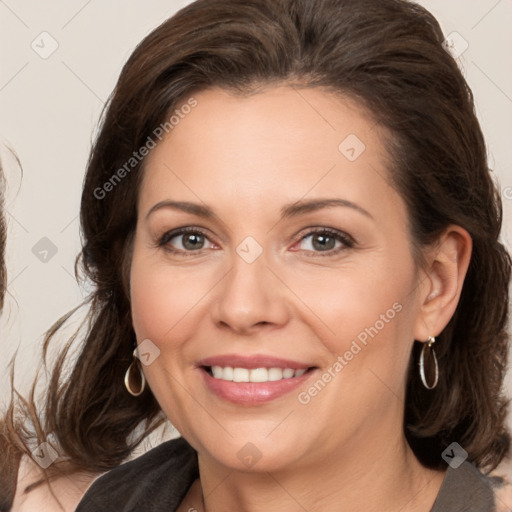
[[3, 237], [9, 455], [387, 55]]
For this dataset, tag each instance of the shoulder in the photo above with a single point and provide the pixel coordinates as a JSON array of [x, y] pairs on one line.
[[63, 495], [502, 479], [161, 477], [466, 488]]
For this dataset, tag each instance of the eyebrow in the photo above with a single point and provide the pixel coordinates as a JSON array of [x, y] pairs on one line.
[[295, 209], [305, 206], [184, 206]]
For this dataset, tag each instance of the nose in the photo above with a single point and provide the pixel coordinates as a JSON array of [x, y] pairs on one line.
[[249, 298]]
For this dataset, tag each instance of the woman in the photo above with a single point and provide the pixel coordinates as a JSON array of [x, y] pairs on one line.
[[342, 345]]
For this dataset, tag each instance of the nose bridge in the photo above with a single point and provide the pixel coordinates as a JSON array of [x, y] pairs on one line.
[[246, 276], [249, 294]]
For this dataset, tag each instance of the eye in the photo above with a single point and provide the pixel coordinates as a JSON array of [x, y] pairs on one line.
[[324, 240], [184, 240]]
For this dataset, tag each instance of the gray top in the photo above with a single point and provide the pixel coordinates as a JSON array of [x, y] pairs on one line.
[[159, 480]]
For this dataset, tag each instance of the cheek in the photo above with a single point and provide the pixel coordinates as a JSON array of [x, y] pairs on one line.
[[149, 303], [370, 320], [366, 314], [161, 297], [161, 302], [358, 297]]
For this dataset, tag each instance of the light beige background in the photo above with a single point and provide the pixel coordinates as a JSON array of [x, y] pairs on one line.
[[49, 108]]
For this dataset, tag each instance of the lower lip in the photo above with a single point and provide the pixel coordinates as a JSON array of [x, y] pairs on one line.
[[252, 393]]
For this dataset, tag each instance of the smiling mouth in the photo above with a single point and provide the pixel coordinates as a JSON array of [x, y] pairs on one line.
[[238, 374]]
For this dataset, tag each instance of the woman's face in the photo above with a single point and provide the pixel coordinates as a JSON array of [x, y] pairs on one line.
[[296, 255]]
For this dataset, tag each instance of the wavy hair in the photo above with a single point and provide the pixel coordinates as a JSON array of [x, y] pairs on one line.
[[3, 237], [387, 55]]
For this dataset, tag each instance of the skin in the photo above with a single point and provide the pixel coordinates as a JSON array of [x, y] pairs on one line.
[[68, 490], [246, 158]]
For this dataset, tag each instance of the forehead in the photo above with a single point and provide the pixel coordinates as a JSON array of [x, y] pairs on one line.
[[281, 143]]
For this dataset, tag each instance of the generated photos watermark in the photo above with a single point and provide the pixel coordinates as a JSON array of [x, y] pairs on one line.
[[355, 348], [137, 156]]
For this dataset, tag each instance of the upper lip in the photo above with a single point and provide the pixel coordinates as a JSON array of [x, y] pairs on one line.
[[255, 361]]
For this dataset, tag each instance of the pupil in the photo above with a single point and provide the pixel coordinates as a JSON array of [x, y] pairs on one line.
[[325, 242], [192, 241]]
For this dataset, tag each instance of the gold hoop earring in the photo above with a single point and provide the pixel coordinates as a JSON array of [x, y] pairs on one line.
[[128, 377], [421, 364]]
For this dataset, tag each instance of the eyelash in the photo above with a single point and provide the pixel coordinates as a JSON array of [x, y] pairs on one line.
[[169, 235], [347, 241]]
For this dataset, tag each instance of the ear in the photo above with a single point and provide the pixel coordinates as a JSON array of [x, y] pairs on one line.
[[441, 282]]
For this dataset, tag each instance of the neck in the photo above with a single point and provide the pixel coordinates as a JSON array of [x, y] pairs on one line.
[[363, 477]]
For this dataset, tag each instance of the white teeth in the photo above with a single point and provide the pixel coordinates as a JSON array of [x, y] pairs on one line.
[[275, 374], [258, 375], [217, 372], [287, 373], [255, 374], [240, 375]]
